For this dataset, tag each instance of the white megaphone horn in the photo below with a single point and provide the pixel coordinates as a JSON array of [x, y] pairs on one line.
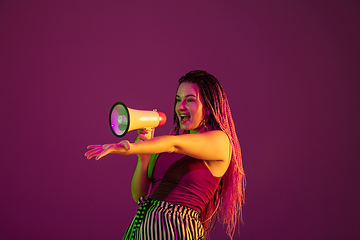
[[123, 119]]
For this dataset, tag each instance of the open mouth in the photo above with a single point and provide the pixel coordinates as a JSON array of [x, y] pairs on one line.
[[184, 118]]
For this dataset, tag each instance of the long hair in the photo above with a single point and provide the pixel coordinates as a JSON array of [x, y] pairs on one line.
[[230, 196]]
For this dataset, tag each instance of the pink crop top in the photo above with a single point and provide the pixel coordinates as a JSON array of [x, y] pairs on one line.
[[183, 180]]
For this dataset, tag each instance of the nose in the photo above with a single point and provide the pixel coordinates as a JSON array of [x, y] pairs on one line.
[[182, 105]]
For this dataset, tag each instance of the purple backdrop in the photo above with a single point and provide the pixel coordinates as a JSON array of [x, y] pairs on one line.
[[290, 70]]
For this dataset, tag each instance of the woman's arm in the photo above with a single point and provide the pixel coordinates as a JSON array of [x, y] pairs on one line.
[[212, 145], [140, 181]]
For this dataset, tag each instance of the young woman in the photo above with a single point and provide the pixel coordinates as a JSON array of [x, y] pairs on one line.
[[182, 180]]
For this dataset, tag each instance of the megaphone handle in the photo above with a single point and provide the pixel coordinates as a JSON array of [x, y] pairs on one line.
[[150, 130], [150, 133]]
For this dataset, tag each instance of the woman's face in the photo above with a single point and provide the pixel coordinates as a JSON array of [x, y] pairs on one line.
[[190, 107]]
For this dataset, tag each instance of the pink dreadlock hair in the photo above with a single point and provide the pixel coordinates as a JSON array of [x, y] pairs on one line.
[[230, 196]]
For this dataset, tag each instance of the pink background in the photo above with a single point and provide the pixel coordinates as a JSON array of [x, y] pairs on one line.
[[291, 70]]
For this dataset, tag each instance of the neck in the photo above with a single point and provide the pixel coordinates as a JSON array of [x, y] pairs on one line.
[[194, 131]]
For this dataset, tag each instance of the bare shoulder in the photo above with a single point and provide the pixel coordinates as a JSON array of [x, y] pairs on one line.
[[219, 167], [216, 135]]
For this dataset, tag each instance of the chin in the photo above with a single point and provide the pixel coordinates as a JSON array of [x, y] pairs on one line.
[[184, 128]]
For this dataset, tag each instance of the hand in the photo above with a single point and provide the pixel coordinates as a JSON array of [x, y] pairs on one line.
[[144, 135], [100, 151]]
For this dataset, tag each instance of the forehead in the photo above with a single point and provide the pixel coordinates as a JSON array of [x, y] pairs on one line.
[[188, 88]]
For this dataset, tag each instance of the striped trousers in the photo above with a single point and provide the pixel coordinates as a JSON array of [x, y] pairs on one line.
[[163, 220]]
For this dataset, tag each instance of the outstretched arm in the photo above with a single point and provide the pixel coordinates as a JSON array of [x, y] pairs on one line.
[[212, 145]]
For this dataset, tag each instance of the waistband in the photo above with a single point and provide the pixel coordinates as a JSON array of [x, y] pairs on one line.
[[145, 203]]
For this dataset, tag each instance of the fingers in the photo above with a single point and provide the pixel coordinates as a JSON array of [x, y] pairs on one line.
[[111, 148], [97, 151], [143, 131], [142, 137], [144, 134], [102, 154], [93, 146], [149, 133], [93, 152], [106, 146]]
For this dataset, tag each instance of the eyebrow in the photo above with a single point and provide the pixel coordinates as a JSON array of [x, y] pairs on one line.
[[189, 95]]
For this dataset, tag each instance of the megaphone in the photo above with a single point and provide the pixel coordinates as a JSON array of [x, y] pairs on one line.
[[123, 119]]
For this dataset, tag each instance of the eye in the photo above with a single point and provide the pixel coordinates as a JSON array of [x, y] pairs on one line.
[[190, 100]]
